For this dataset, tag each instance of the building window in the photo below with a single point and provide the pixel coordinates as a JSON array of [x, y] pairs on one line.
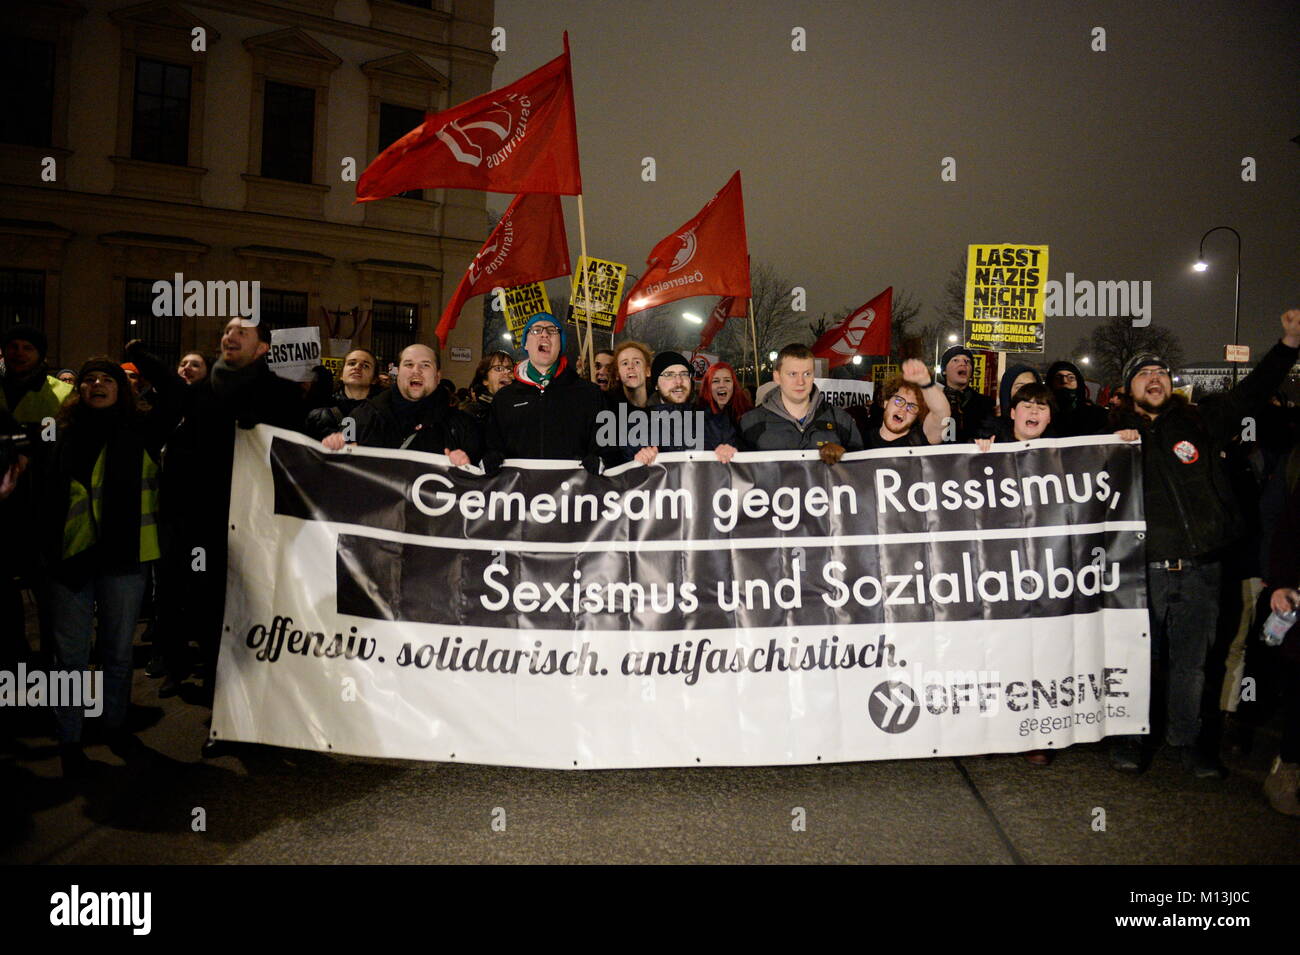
[[281, 309], [394, 123], [22, 298], [161, 334], [288, 130], [160, 129], [394, 327], [26, 91]]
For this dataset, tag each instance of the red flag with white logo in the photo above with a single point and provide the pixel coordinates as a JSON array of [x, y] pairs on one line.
[[864, 332], [706, 256], [529, 244], [730, 306], [520, 138]]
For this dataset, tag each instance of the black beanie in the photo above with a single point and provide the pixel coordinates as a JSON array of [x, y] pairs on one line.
[[114, 371], [665, 360], [27, 333]]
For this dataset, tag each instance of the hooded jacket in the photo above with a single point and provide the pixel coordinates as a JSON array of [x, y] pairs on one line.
[[1189, 505], [1075, 413], [770, 427]]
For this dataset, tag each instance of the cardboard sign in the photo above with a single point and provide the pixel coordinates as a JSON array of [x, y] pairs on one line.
[[845, 392], [520, 304], [600, 293], [1005, 297], [1236, 353], [294, 352]]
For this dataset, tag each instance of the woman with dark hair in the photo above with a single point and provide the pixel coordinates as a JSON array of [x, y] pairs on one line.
[[100, 532], [494, 372], [357, 383], [724, 403]]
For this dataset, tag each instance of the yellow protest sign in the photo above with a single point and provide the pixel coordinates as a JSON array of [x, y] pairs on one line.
[[335, 365], [1005, 297], [603, 291], [882, 373], [521, 303]]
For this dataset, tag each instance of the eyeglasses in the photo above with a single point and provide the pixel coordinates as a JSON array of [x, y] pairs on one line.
[[501, 368], [676, 375], [548, 330], [900, 402]]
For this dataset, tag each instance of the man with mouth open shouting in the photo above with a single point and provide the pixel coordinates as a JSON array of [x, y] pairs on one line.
[[547, 412], [915, 410], [1191, 520]]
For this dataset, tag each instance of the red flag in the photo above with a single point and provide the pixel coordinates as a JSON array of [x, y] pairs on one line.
[[731, 306], [864, 332], [706, 256], [520, 138], [528, 245]]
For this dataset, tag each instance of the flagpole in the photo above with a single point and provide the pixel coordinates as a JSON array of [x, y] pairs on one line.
[[588, 348], [753, 331]]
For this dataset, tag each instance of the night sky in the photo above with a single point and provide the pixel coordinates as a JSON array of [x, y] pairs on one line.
[[1117, 160]]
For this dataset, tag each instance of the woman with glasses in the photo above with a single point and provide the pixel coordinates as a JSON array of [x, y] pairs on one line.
[[915, 409], [494, 372]]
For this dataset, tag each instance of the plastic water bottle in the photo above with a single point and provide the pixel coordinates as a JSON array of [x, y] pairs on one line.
[[1277, 625]]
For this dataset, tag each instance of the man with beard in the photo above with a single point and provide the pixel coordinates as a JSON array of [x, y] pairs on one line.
[[673, 414], [969, 408], [414, 415], [1191, 520], [547, 412], [1076, 414], [914, 410]]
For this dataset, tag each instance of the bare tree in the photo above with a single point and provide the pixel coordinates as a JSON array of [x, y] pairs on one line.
[[1110, 346]]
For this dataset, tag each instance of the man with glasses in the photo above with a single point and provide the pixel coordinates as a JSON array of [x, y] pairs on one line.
[[673, 421], [915, 409], [547, 411], [1191, 520]]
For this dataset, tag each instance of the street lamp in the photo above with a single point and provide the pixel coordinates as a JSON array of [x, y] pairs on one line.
[[692, 318], [1201, 265], [952, 340]]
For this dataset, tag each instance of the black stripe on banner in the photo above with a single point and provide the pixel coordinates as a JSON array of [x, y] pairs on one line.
[[950, 581]]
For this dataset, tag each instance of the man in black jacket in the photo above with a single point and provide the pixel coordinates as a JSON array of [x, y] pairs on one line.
[[1076, 414], [413, 414], [547, 411], [243, 391], [969, 408], [1191, 519]]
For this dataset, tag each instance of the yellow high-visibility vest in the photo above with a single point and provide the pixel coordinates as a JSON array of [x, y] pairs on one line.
[[85, 510], [35, 406]]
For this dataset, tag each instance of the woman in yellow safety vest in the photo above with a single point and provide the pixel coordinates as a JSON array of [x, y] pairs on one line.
[[103, 530]]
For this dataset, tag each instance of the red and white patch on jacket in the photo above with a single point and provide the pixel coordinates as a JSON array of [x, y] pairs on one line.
[[1186, 452]]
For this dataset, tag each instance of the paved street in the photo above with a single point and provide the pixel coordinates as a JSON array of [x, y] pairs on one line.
[[268, 805]]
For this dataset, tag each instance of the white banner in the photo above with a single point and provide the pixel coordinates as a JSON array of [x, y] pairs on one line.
[[397, 628], [845, 392], [295, 352]]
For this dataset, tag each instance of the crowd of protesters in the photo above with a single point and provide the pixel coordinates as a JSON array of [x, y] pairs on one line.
[[115, 518]]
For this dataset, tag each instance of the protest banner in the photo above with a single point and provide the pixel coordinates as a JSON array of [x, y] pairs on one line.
[[602, 294], [700, 362], [335, 365], [520, 304], [775, 610], [294, 352], [1005, 297], [845, 392]]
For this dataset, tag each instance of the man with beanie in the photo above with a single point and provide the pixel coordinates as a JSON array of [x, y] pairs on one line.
[[673, 415], [547, 412], [1076, 414], [1191, 519], [969, 408], [30, 393], [414, 415]]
